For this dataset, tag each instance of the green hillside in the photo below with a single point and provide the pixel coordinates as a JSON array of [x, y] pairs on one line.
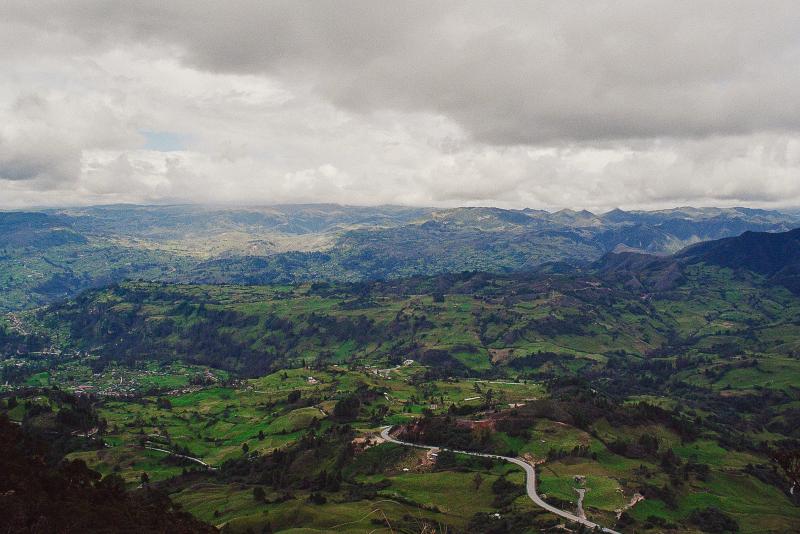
[[669, 384]]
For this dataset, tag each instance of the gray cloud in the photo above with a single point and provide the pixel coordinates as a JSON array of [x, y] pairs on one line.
[[634, 103], [509, 72]]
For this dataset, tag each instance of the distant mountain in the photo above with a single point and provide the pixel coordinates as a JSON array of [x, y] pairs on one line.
[[773, 255], [760, 252], [55, 253], [161, 223], [36, 230]]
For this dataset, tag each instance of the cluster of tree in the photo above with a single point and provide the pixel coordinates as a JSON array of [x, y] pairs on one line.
[[538, 359], [578, 451], [509, 327], [505, 492], [509, 522], [516, 424], [713, 520], [349, 406], [60, 418], [327, 328], [645, 446], [376, 459], [444, 431], [315, 462], [407, 324], [13, 342], [577, 402], [211, 335], [442, 363]]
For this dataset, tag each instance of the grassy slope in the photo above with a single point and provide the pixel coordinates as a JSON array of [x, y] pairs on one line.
[[712, 307]]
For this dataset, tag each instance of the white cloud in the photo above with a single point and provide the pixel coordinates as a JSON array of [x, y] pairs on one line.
[[632, 104]]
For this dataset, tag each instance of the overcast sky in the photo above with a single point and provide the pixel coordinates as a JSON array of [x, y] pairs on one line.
[[636, 104]]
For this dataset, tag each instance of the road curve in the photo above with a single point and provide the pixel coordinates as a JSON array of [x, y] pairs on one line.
[[530, 480]]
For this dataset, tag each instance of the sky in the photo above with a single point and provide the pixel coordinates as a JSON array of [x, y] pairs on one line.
[[563, 104]]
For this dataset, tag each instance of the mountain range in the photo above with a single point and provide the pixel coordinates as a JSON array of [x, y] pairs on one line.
[[55, 253]]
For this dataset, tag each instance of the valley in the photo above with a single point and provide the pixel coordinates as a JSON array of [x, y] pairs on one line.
[[655, 387]]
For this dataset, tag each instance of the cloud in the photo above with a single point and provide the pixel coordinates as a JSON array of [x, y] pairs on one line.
[[635, 103], [508, 72]]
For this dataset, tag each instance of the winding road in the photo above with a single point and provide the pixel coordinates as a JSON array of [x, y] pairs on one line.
[[530, 480], [190, 458]]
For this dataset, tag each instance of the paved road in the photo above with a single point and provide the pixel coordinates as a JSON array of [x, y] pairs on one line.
[[530, 480], [581, 495], [191, 458]]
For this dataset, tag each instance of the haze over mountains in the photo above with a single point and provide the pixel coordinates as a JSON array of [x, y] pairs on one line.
[[51, 254]]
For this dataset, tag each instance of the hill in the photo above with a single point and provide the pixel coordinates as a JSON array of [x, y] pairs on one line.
[[775, 256], [36, 230]]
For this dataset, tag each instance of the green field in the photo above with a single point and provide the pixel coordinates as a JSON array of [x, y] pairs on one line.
[[675, 402]]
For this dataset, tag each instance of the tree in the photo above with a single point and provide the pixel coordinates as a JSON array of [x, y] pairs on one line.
[[477, 480], [112, 485], [145, 478], [446, 459], [347, 408], [649, 443], [505, 491], [245, 448], [259, 494], [317, 498], [261, 435], [293, 396]]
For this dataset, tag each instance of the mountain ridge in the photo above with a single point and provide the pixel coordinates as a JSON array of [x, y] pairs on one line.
[[56, 253]]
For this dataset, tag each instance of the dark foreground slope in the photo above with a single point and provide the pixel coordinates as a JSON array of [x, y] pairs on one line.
[[36, 497]]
